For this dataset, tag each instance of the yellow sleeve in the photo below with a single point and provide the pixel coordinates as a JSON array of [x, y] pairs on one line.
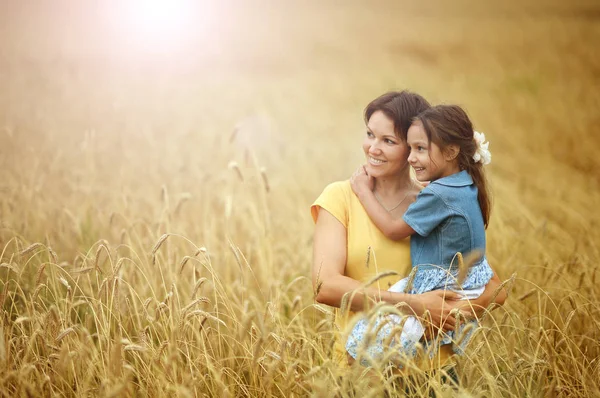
[[334, 199]]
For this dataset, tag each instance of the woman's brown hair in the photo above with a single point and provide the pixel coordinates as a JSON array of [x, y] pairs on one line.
[[400, 106], [447, 125]]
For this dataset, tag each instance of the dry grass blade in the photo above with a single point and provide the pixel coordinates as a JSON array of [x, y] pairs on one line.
[[10, 267], [159, 243], [162, 347], [53, 255], [205, 315], [379, 277], [296, 302], [82, 270], [465, 333], [64, 334], [464, 264], [101, 246], [30, 249], [273, 355], [194, 303], [36, 292], [182, 199], [411, 280], [40, 272], [527, 294], [164, 196], [64, 282], [198, 285], [569, 319], [2, 347], [322, 309], [234, 166], [265, 179], [118, 266], [183, 263], [318, 288], [200, 250], [134, 347]]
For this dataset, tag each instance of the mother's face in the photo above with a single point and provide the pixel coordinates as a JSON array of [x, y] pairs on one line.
[[386, 153]]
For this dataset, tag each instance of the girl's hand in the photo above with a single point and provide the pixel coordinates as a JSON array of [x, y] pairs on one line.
[[361, 182]]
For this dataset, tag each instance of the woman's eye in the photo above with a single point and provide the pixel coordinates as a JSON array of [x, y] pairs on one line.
[[420, 148], [388, 141], [369, 134]]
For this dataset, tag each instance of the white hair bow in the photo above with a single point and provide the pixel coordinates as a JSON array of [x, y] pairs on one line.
[[482, 153]]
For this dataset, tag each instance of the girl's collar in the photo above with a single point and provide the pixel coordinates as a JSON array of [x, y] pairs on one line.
[[460, 179]]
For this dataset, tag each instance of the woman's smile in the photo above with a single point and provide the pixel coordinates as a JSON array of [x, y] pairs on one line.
[[376, 162]]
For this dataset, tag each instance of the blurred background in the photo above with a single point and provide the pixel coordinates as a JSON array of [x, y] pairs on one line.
[[101, 100], [104, 103], [222, 121]]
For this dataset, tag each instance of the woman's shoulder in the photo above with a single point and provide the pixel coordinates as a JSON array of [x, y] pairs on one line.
[[335, 198], [341, 188]]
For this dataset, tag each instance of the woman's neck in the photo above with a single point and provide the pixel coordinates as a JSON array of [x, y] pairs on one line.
[[391, 186]]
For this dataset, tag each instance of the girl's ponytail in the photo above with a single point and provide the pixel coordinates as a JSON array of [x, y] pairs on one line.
[[475, 169]]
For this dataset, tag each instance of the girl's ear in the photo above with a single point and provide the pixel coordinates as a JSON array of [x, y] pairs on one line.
[[451, 152]]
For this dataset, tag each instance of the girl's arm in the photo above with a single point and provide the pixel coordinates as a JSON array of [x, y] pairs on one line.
[[394, 229], [330, 283]]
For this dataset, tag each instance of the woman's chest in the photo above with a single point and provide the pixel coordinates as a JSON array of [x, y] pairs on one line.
[[370, 253]]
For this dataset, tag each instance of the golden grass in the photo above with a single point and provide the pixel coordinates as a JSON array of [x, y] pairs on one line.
[[155, 237]]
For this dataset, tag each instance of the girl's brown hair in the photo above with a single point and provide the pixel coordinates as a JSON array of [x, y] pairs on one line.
[[447, 125], [400, 106]]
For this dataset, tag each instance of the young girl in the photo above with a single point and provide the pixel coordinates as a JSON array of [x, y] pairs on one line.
[[448, 217]]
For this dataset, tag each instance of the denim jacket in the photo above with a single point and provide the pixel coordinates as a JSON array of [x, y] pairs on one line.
[[447, 219]]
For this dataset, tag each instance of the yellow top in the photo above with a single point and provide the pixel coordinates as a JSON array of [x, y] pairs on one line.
[[369, 251]]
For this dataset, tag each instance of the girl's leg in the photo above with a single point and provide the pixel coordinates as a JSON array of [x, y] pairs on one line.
[[412, 332]]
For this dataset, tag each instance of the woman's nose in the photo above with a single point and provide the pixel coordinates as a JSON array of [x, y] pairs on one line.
[[374, 148]]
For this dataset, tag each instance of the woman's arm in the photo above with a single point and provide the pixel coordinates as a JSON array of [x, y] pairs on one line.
[[330, 283], [394, 229], [479, 305], [483, 301]]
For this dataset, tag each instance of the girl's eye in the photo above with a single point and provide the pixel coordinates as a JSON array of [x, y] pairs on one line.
[[420, 148], [369, 134], [388, 141]]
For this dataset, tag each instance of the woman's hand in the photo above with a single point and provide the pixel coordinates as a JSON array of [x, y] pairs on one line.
[[439, 304], [361, 181]]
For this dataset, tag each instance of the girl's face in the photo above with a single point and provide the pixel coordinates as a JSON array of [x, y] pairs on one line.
[[426, 158], [386, 153]]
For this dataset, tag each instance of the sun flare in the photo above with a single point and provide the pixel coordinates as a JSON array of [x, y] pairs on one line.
[[162, 25]]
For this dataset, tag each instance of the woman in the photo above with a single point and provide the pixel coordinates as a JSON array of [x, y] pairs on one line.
[[348, 248]]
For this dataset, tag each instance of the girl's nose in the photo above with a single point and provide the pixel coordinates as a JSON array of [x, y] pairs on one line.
[[411, 158]]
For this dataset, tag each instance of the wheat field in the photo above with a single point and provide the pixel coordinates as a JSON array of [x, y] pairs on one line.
[[155, 235]]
